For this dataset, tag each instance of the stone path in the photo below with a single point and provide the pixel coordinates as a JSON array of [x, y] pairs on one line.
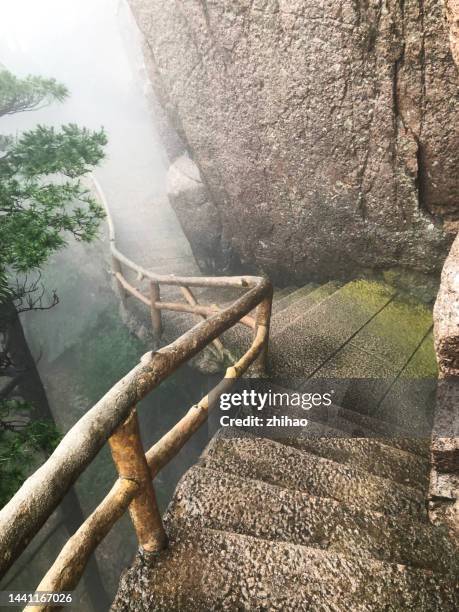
[[147, 229], [333, 518]]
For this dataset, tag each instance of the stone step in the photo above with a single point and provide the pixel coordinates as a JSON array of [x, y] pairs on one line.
[[293, 296], [410, 406], [281, 293], [303, 347], [361, 425], [214, 570], [379, 353], [400, 408], [367, 454], [238, 338], [207, 498], [278, 464], [410, 401], [298, 306], [395, 333], [347, 423]]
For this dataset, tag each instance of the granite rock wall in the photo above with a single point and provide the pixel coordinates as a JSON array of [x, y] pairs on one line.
[[324, 131]]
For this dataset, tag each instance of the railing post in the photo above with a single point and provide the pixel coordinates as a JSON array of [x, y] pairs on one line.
[[155, 296], [263, 319], [129, 458], [190, 298], [116, 268]]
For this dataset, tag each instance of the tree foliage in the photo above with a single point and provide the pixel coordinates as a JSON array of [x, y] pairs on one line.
[[21, 439], [43, 201], [42, 197], [34, 92]]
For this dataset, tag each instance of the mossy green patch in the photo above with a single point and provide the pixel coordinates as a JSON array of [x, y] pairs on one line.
[[419, 286], [395, 333], [423, 364]]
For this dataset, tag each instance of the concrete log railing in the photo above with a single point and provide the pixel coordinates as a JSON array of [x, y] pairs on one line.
[[114, 419]]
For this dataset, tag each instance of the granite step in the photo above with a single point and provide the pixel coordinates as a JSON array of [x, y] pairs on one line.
[[215, 570], [237, 339], [288, 467], [300, 349], [292, 296], [348, 423], [386, 344], [370, 454], [362, 425], [407, 404], [300, 305], [281, 293], [207, 498], [410, 401], [389, 366], [367, 454]]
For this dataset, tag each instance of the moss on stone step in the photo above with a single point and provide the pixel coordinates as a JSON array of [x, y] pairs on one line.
[[303, 347]]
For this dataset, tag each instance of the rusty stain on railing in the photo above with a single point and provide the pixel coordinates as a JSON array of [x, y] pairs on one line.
[[114, 419]]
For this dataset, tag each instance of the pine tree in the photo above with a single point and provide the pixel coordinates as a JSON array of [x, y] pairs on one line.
[[42, 202]]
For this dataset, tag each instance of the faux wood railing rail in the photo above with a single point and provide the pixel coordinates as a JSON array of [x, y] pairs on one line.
[[114, 419]]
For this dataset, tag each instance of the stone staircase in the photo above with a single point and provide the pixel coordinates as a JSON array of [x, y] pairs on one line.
[[334, 519]]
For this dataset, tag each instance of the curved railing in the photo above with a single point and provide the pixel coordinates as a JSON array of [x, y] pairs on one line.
[[153, 301], [114, 419]]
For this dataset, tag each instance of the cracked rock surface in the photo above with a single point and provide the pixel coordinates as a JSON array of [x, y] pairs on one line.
[[323, 131]]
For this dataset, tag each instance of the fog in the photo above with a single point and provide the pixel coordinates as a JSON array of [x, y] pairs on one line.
[[93, 47], [82, 346]]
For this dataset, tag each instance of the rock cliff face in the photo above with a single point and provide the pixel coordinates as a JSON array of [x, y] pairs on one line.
[[444, 476], [452, 15], [444, 481], [198, 216], [324, 131], [446, 316]]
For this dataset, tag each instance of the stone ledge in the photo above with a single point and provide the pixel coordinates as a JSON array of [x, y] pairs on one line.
[[444, 479], [446, 316]]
